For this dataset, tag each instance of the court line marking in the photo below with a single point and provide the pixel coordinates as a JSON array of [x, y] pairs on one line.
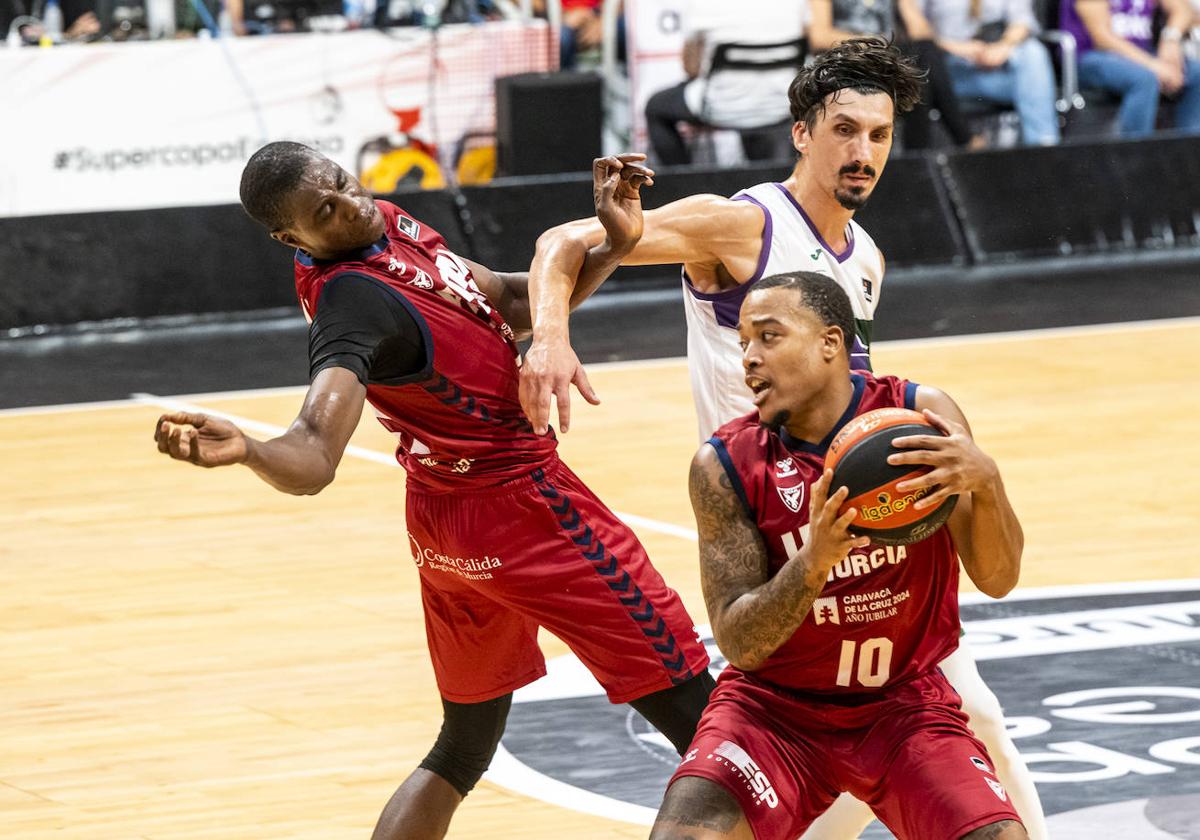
[[247, 424], [374, 456], [635, 520], [509, 772], [671, 361]]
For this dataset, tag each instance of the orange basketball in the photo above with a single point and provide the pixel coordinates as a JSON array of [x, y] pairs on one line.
[[858, 458]]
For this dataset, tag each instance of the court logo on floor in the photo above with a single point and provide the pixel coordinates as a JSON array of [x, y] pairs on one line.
[[1100, 686]]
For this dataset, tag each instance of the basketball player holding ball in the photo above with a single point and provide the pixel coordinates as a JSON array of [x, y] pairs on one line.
[[844, 106], [833, 682]]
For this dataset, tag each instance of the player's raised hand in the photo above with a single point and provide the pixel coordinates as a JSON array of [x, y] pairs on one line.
[[616, 190], [959, 465], [549, 370], [829, 538], [200, 439]]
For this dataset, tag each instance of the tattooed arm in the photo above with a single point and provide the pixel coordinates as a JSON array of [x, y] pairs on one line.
[[752, 615]]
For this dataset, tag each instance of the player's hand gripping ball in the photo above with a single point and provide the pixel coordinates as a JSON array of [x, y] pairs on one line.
[[858, 457]]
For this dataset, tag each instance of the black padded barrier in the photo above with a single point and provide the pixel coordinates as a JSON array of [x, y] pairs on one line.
[[138, 263], [174, 261], [1076, 199], [910, 216], [508, 215], [1008, 205]]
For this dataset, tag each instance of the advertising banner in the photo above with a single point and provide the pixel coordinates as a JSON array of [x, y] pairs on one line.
[[161, 124]]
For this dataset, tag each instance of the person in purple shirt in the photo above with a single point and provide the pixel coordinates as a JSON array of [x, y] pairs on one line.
[[1117, 54]]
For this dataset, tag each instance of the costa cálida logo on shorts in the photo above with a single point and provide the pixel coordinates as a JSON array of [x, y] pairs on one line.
[[471, 568]]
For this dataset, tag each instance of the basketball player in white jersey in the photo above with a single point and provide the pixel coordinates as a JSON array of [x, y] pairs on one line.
[[844, 107]]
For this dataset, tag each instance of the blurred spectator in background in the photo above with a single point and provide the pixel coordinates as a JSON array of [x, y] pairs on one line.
[[582, 29], [1191, 44], [994, 59], [79, 19], [1117, 54], [834, 21], [739, 99]]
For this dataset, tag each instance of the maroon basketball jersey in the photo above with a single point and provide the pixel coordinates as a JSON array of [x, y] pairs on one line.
[[887, 613], [459, 421]]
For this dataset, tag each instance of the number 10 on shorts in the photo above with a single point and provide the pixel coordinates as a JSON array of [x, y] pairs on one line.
[[874, 658]]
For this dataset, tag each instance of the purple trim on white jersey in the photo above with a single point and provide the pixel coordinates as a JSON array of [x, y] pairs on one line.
[[768, 225], [860, 355], [727, 303], [842, 257]]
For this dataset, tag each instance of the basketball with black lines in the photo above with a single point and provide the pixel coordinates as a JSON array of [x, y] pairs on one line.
[[858, 457]]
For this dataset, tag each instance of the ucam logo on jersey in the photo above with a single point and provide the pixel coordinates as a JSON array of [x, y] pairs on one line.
[[793, 497], [1100, 686]]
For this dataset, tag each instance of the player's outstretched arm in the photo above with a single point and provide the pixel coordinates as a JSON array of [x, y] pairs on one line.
[[302, 461], [707, 232], [567, 267], [753, 615], [984, 525]]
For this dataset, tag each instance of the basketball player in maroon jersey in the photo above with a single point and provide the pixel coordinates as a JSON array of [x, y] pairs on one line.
[[833, 643], [505, 537]]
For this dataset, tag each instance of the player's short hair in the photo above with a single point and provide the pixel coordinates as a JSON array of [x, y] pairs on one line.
[[822, 295], [865, 65], [269, 178]]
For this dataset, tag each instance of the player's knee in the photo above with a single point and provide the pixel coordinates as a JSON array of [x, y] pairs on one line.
[[467, 741], [700, 809], [1003, 830], [675, 712]]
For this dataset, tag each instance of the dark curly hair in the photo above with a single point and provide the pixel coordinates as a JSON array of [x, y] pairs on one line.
[[865, 65], [822, 295], [269, 178]]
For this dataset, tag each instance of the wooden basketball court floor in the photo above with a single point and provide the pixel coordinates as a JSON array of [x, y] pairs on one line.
[[188, 654]]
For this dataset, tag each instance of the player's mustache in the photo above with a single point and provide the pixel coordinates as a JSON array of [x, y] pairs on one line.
[[856, 167]]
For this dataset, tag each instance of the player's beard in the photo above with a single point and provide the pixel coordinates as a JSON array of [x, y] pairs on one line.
[[854, 198]]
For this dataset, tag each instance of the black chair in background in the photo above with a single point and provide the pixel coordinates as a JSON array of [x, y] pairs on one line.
[[766, 142]]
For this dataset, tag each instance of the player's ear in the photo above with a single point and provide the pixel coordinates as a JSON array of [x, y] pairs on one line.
[[800, 136], [833, 342], [285, 237]]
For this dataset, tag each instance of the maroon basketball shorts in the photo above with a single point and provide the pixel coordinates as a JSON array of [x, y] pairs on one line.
[[542, 550], [909, 755]]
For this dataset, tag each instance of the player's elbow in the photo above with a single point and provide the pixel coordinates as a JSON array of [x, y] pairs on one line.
[[317, 475], [736, 653], [311, 486], [743, 660], [570, 237], [1003, 579], [998, 588]]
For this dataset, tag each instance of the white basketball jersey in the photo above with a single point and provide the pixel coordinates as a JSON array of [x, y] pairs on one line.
[[790, 243]]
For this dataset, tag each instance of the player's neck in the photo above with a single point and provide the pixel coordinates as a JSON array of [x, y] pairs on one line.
[[828, 216], [815, 420], [355, 252]]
